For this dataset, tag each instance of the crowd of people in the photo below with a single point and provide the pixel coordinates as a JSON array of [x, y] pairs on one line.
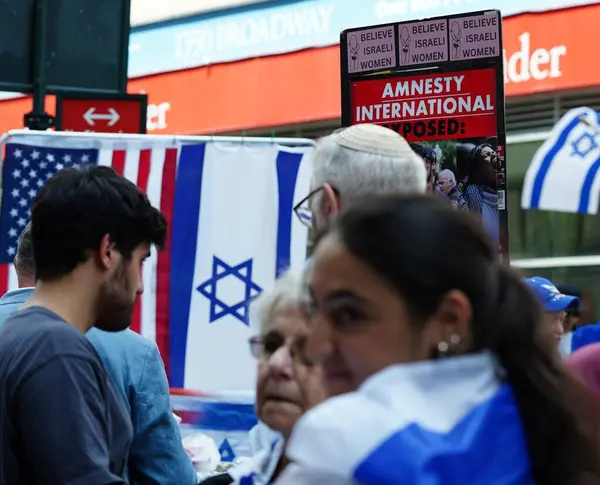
[[403, 352], [477, 190]]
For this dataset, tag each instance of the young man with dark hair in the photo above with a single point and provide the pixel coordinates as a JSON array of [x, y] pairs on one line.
[[156, 454], [61, 419]]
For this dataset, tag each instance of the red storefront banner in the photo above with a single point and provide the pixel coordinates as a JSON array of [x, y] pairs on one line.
[[440, 106]]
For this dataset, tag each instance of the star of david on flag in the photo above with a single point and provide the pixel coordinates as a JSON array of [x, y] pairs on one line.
[[234, 233], [586, 143], [564, 174], [210, 289]]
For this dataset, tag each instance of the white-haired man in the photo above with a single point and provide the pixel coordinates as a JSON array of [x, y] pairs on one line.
[[355, 162], [359, 161], [351, 163], [447, 184]]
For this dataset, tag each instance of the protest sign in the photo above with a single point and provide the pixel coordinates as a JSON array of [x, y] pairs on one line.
[[439, 83]]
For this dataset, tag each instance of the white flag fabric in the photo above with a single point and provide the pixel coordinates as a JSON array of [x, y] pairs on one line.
[[233, 234], [448, 421], [564, 174]]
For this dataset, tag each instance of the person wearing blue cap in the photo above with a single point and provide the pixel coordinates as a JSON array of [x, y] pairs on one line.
[[554, 303]]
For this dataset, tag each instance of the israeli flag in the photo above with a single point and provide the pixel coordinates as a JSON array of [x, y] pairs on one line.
[[448, 422], [226, 420], [233, 233], [564, 173]]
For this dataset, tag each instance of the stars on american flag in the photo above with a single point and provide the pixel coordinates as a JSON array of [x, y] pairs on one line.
[[27, 169]]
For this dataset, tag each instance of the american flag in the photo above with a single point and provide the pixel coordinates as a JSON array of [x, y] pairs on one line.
[[26, 169]]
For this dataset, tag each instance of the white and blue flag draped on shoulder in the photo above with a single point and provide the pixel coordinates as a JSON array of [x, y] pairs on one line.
[[564, 174], [233, 234], [259, 469], [449, 421]]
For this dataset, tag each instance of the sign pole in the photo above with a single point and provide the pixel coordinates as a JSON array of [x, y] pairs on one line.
[[38, 119]]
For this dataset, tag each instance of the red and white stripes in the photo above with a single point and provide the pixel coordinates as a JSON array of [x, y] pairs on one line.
[[153, 171]]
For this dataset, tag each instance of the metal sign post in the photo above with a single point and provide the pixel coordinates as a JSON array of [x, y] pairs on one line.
[[38, 119]]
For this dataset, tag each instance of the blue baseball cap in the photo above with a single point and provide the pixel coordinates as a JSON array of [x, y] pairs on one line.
[[549, 297]]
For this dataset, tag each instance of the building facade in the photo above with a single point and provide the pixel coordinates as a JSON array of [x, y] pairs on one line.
[[272, 68]]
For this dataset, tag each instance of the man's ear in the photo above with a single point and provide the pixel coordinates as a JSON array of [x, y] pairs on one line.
[[106, 252], [332, 203]]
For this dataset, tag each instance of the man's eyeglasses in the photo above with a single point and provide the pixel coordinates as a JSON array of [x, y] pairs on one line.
[[302, 209]]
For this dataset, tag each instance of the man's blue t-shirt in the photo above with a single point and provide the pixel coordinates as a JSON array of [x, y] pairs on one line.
[[61, 420]]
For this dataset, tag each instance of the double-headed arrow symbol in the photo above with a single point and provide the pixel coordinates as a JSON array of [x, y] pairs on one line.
[[90, 115]]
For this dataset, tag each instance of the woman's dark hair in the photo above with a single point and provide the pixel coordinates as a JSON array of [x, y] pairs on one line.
[[424, 249], [478, 172]]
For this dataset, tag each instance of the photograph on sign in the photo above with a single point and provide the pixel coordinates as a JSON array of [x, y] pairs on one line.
[[451, 110]]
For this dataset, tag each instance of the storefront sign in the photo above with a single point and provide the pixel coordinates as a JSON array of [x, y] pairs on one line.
[[542, 52], [279, 27], [451, 110], [145, 12]]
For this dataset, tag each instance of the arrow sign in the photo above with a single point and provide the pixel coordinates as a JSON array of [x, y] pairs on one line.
[[108, 113], [90, 115]]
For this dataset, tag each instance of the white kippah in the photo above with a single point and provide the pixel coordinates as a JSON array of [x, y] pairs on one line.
[[373, 139]]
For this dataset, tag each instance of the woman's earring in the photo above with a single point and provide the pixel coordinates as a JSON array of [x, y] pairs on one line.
[[443, 348]]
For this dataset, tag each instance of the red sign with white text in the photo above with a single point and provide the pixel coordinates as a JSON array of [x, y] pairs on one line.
[[102, 115], [440, 106]]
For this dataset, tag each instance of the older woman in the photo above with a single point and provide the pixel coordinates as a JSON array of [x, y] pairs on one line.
[[280, 399]]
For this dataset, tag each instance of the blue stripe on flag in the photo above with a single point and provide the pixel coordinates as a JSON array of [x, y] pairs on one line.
[[288, 165], [223, 416], [540, 177], [186, 215], [458, 457], [586, 189]]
